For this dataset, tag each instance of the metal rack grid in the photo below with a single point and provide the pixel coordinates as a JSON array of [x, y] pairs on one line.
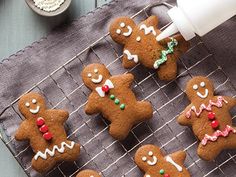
[[98, 150]]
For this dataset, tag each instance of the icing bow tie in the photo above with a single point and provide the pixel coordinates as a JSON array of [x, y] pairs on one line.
[[105, 88]]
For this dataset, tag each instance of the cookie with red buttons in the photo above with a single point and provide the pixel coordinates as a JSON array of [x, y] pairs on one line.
[[141, 46], [43, 128], [210, 119], [150, 160], [113, 97], [88, 173]]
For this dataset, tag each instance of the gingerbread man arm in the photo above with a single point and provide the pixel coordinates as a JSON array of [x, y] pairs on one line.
[[231, 101], [130, 59], [183, 119], [60, 115], [22, 132], [178, 157], [182, 46], [124, 79], [151, 21], [92, 105]]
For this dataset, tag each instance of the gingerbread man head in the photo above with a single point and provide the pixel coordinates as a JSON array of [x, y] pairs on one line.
[[31, 104], [148, 156], [88, 173], [199, 88], [95, 75], [150, 159], [121, 29]]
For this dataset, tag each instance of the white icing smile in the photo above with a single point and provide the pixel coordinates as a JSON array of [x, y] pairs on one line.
[[98, 80], [35, 111], [202, 84], [203, 96], [126, 34], [129, 32], [150, 162], [154, 162]]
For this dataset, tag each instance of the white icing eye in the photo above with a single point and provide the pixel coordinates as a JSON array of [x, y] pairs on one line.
[[144, 159], [147, 176], [89, 75], [34, 101], [150, 153], [118, 31], [202, 84], [122, 25], [138, 39], [195, 87], [96, 70], [27, 104], [91, 176]]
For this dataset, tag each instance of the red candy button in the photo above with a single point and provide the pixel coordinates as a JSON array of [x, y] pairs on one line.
[[211, 115], [166, 175], [214, 124], [105, 88], [43, 129], [47, 136], [40, 121]]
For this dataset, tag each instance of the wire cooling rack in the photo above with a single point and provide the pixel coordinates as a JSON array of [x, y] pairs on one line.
[[99, 150]]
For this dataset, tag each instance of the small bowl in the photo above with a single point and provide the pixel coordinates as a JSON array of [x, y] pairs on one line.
[[60, 10]]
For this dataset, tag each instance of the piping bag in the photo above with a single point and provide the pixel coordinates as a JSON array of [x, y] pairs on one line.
[[198, 17]]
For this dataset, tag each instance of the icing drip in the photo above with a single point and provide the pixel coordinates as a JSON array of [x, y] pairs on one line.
[[164, 53], [148, 30], [203, 107], [170, 160], [53, 151], [48, 5], [131, 57], [217, 134]]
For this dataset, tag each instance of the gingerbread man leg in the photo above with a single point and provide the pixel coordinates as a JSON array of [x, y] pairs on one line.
[[47, 161], [212, 149], [120, 129], [168, 70]]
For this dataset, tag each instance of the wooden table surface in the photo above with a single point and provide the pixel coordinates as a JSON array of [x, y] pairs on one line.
[[19, 27]]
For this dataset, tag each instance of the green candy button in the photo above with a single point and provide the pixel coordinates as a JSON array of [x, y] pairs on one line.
[[122, 106], [117, 101], [112, 97], [162, 172]]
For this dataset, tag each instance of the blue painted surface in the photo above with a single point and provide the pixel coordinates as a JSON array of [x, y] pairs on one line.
[[19, 27]]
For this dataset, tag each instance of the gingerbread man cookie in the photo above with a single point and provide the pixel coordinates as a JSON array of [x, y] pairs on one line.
[[140, 45], [88, 173], [44, 129], [209, 117], [112, 96], [150, 159]]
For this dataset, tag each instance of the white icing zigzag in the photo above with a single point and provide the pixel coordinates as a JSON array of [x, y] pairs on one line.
[[131, 57], [53, 151], [148, 30]]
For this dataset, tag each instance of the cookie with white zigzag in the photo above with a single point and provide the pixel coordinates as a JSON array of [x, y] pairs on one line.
[[44, 130]]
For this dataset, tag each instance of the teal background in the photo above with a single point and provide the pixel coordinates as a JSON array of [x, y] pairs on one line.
[[19, 27]]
